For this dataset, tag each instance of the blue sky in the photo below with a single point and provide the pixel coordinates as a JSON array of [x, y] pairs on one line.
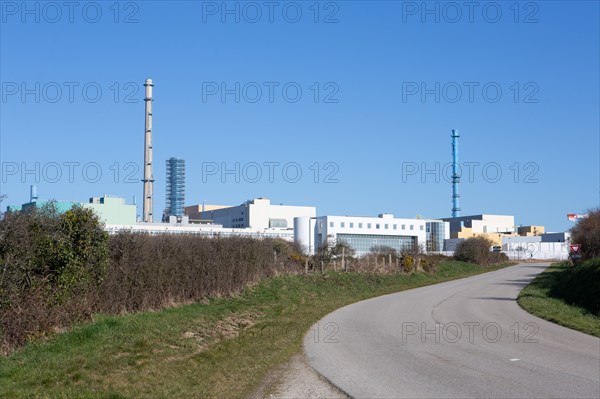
[[370, 131]]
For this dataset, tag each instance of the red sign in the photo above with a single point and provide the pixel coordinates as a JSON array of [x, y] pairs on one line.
[[575, 248]]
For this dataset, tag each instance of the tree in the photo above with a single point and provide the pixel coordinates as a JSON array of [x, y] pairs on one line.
[[587, 233]]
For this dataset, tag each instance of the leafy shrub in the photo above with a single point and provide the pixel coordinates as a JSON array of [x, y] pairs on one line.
[[59, 269], [580, 285], [587, 233], [48, 263]]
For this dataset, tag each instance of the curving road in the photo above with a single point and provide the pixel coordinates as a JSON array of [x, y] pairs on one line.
[[463, 338]]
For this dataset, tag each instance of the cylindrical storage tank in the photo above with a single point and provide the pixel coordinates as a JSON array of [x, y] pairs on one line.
[[302, 232]]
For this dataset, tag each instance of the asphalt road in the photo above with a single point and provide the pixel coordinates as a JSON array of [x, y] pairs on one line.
[[484, 344]]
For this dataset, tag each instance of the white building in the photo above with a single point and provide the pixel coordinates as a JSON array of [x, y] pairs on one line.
[[364, 233], [258, 214], [209, 230], [545, 246]]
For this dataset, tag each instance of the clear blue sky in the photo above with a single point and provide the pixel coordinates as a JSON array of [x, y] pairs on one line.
[[369, 61]]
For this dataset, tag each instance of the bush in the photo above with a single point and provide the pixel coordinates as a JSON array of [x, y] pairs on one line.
[[153, 272], [580, 285], [49, 263], [587, 233], [407, 263], [498, 257], [59, 269], [475, 250]]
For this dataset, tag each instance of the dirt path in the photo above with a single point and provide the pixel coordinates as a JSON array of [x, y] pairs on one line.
[[297, 380]]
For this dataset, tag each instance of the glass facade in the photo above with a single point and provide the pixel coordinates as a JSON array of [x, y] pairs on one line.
[[364, 242], [435, 236]]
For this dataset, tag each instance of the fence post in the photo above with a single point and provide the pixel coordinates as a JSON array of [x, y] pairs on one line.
[[321, 267], [306, 266], [344, 266]]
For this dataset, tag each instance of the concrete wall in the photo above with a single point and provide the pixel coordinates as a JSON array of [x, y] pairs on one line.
[[194, 211]]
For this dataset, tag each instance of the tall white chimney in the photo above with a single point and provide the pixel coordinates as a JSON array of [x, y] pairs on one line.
[[148, 178]]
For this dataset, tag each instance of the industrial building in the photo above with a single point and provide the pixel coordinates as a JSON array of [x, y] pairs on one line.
[[543, 246], [493, 227], [193, 212], [258, 213], [530, 230], [365, 233], [110, 210], [175, 187]]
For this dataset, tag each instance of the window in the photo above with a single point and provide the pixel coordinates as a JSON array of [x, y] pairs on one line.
[[360, 225], [368, 225], [330, 224], [386, 226], [377, 226], [412, 226], [395, 226], [351, 225], [403, 227], [421, 227], [342, 224]]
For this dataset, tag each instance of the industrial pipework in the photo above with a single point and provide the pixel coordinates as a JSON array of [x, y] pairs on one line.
[[455, 175], [148, 179]]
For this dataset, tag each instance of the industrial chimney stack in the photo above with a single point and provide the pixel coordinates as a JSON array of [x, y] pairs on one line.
[[148, 179], [455, 175]]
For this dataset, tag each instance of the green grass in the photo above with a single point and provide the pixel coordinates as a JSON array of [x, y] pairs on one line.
[[542, 299], [223, 348]]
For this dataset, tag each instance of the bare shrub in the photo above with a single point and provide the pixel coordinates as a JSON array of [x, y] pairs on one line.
[[474, 250], [587, 233]]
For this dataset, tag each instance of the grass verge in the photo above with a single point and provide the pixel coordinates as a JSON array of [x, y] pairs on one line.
[[542, 298], [223, 348]]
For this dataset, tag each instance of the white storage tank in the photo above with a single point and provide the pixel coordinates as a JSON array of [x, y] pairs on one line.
[[302, 232]]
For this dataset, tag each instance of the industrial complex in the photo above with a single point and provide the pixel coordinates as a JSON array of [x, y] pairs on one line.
[[261, 219]]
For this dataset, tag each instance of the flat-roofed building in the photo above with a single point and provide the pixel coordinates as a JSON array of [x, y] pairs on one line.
[[364, 234], [258, 213]]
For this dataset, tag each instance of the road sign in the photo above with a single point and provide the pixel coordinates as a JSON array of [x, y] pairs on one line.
[[575, 248], [574, 216]]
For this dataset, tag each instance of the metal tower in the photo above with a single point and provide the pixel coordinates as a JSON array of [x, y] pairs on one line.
[[455, 175], [148, 179], [175, 187]]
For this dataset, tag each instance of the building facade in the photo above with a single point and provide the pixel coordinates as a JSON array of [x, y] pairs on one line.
[[257, 214], [364, 234], [493, 227], [112, 210]]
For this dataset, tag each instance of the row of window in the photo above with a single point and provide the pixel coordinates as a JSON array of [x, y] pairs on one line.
[[364, 243], [377, 226]]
